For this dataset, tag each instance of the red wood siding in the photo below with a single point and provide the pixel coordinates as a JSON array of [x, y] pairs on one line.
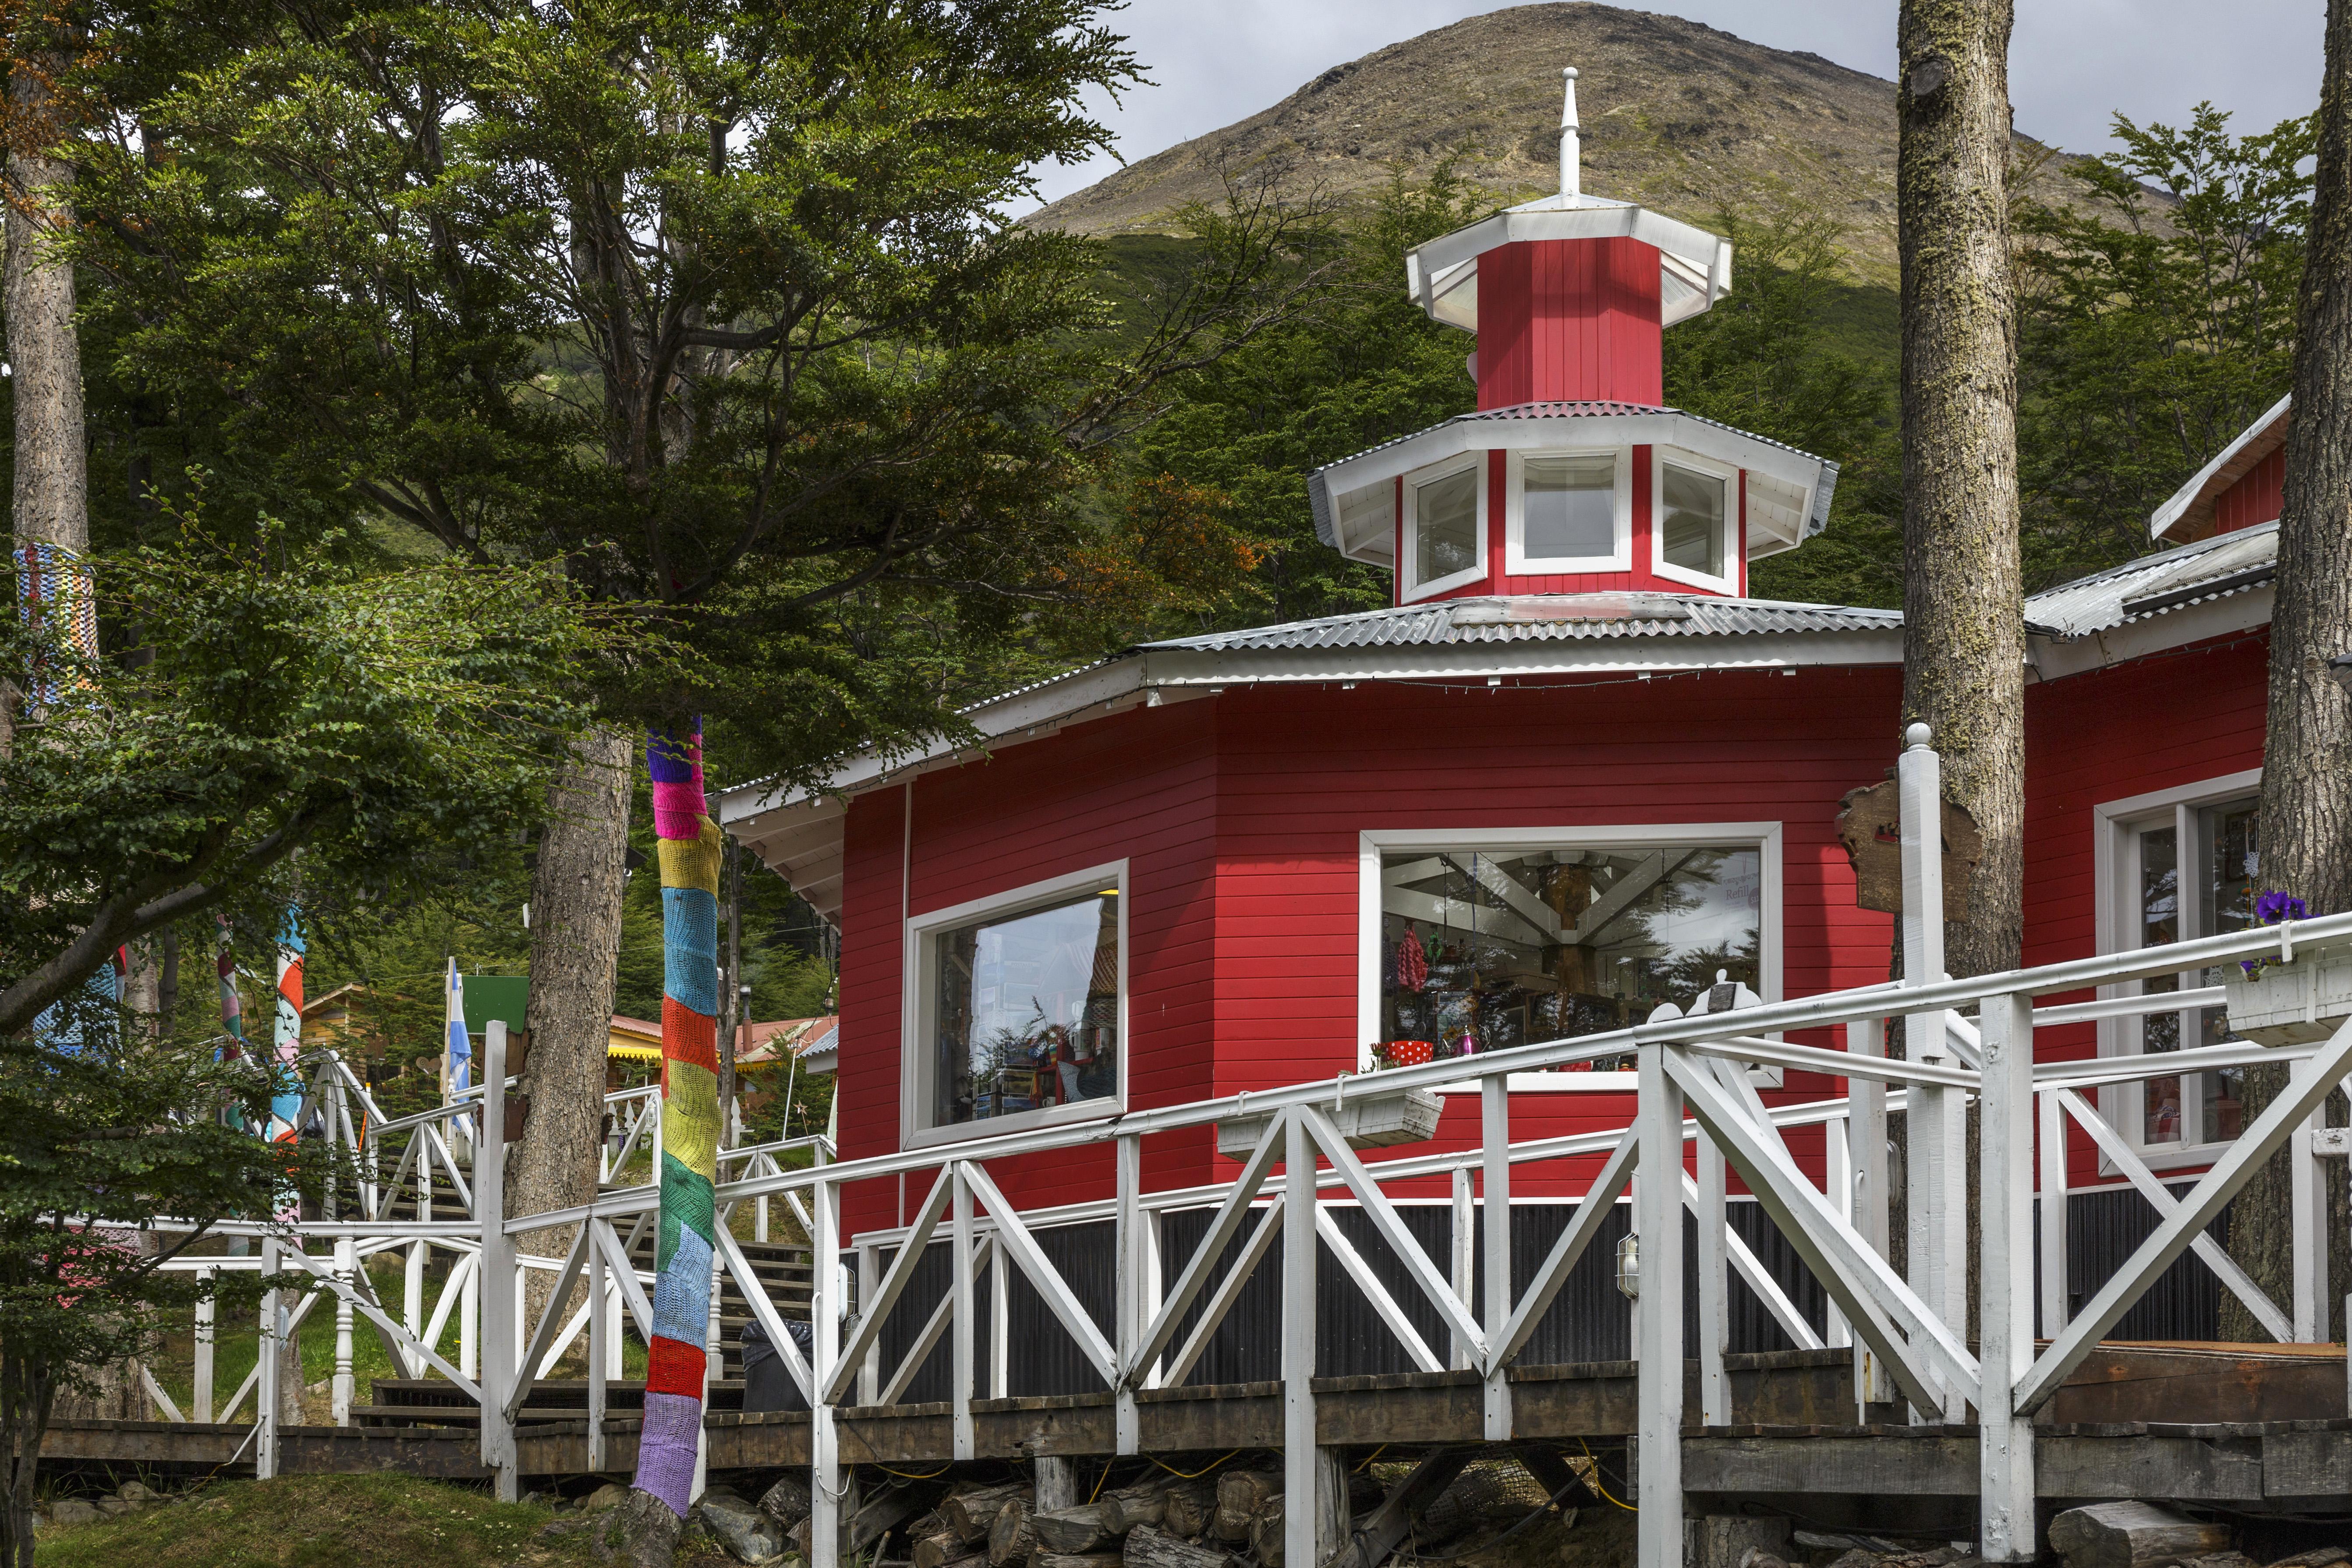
[[1139, 786], [1568, 318], [1239, 816], [2256, 497], [2176, 719]]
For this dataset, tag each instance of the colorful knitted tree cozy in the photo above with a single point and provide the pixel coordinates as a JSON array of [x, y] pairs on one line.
[[688, 848]]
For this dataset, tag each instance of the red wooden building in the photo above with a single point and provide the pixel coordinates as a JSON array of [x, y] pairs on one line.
[[1572, 773]]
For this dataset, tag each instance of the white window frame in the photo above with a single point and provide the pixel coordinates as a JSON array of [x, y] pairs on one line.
[[1373, 843], [1660, 457], [1409, 587], [920, 1010], [1516, 559], [2116, 824]]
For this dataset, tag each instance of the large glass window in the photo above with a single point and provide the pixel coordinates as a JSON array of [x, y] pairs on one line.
[[2195, 871], [1025, 1010], [1485, 949], [1445, 526], [1567, 506], [1691, 512]]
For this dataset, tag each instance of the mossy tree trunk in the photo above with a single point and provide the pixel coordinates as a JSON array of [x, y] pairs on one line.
[[2306, 810], [1963, 588]]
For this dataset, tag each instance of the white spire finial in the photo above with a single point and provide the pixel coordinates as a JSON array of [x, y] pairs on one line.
[[1571, 179]]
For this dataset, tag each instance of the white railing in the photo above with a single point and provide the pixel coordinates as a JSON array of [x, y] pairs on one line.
[[1911, 1329]]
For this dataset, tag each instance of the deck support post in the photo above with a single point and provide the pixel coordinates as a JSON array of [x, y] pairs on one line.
[[1057, 1483], [600, 1340], [496, 1278], [869, 1280], [1131, 1310], [2005, 1443], [1495, 1130], [824, 1352], [1463, 1242], [1934, 1188], [1658, 1314], [265, 1393], [1301, 1459], [2054, 1216], [2307, 1224], [346, 1270], [961, 1313], [1714, 1308], [207, 1319]]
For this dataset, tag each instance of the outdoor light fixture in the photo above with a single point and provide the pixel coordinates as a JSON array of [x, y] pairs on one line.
[[1629, 1267]]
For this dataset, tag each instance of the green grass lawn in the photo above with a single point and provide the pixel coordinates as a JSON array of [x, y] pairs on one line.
[[320, 1521]]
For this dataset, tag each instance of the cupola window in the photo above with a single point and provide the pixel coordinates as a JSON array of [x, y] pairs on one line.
[[1446, 543], [1570, 512], [1695, 517]]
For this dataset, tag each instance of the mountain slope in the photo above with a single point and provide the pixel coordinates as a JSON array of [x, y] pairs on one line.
[[1675, 115]]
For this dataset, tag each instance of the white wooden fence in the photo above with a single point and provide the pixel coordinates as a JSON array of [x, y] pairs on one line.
[[1967, 1038]]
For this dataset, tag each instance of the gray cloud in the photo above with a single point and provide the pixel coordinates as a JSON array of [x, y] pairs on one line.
[[2072, 63]]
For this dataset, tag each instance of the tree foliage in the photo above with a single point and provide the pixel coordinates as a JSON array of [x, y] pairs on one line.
[[374, 724], [2154, 326], [712, 303]]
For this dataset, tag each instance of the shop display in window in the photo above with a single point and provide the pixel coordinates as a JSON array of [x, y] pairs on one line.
[[1483, 950], [1026, 1011]]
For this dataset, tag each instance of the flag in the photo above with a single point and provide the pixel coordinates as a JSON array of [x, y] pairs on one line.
[[461, 1044]]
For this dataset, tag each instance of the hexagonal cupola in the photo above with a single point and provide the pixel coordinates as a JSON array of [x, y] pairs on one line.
[[1572, 476]]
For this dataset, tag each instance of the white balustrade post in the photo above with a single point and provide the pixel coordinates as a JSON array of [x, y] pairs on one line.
[[1838, 1165], [346, 1270], [470, 1323], [825, 1351], [1658, 1314], [601, 1342], [1494, 1135], [2054, 1218], [1867, 1139], [999, 1324], [1129, 1238], [1299, 1207], [273, 1333], [1714, 1287], [2005, 1446], [1936, 1270], [497, 1278], [961, 1313], [869, 1279], [2307, 1222], [207, 1320], [1464, 1244]]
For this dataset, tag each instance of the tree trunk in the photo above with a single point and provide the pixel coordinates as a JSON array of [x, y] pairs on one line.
[[51, 496], [575, 940], [2306, 810], [1963, 585]]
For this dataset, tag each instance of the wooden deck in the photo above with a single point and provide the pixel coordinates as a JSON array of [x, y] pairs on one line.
[[2249, 1427]]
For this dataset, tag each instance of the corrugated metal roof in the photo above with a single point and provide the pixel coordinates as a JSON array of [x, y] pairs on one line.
[[2153, 585], [1545, 618]]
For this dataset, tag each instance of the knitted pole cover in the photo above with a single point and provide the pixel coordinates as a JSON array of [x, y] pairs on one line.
[[689, 1159]]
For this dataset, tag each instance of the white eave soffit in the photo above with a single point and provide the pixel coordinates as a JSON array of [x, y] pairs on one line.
[[1694, 265], [1361, 491]]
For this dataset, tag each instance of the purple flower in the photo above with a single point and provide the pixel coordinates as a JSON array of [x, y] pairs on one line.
[[2274, 907], [2252, 966]]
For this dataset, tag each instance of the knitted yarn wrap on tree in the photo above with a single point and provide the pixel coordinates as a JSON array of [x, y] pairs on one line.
[[688, 847]]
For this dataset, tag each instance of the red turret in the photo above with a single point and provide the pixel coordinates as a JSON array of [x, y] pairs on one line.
[[1572, 476]]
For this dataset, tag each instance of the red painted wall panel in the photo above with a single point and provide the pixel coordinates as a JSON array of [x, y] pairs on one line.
[[1568, 318], [2176, 720], [2256, 497]]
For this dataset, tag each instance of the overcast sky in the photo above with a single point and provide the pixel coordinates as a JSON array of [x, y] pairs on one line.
[[2072, 64]]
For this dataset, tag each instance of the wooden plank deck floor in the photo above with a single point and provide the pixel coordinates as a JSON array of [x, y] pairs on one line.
[[2246, 1425]]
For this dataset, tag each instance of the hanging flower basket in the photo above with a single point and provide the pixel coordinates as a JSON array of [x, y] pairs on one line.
[[1368, 1118], [2298, 1003]]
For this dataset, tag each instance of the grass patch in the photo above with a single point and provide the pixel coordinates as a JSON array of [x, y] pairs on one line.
[[320, 1521]]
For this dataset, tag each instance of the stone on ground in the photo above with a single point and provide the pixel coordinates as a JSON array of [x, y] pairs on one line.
[[638, 1531]]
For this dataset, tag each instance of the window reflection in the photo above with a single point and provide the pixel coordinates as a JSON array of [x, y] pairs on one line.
[[1482, 950], [1692, 513], [1027, 1011], [1569, 506], [1445, 526]]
